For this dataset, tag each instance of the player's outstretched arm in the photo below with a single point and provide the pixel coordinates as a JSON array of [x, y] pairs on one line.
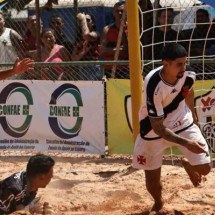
[[167, 134], [19, 67]]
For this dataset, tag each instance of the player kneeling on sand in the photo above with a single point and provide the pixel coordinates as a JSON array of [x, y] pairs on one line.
[[20, 189], [167, 118]]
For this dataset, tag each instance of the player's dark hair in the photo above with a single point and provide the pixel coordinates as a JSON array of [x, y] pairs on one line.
[[173, 51], [39, 164]]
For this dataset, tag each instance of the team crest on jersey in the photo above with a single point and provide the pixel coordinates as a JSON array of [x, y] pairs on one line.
[[185, 91]]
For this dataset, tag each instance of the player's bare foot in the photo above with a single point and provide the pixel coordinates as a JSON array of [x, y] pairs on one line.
[[157, 206], [195, 177]]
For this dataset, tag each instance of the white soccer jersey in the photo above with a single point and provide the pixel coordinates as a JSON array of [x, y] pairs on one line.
[[161, 99]]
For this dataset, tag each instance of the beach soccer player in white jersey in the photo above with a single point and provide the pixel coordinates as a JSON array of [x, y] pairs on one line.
[[167, 119]]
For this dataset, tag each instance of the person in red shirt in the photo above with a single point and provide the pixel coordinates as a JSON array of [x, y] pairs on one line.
[[109, 41]]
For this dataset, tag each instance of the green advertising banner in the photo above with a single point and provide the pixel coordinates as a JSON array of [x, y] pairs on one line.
[[120, 140], [119, 117]]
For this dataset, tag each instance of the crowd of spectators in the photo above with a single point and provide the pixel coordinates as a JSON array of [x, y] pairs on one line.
[[55, 46], [198, 41], [91, 45]]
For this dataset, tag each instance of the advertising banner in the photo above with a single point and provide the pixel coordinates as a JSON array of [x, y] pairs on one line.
[[120, 140], [57, 116], [205, 109], [120, 119]]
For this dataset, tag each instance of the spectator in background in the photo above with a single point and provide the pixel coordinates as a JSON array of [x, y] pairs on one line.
[[211, 50], [20, 189], [199, 39], [146, 23], [31, 35], [86, 47], [109, 41], [57, 24], [52, 52], [11, 43], [163, 33]]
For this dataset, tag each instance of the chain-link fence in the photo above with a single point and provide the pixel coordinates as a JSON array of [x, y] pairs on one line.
[[188, 22], [31, 27], [29, 21]]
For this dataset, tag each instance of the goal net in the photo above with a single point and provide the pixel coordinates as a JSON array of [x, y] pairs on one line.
[[192, 24]]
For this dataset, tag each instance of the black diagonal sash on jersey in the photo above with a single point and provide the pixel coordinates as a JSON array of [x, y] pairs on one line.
[[145, 125]]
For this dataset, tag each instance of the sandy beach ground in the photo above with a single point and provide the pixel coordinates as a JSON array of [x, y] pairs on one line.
[[90, 185]]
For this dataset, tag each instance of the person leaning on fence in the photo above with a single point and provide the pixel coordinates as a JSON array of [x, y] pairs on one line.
[[20, 189], [109, 42], [86, 47], [11, 43], [166, 119], [52, 52]]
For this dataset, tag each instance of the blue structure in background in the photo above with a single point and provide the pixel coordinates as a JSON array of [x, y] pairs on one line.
[[209, 2], [103, 16]]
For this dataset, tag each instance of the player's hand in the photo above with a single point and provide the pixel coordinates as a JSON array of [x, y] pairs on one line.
[[195, 147], [23, 65]]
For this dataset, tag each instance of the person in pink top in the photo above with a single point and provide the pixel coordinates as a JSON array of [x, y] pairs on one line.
[[52, 52]]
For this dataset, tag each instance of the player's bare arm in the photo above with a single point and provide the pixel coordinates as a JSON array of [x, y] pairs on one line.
[[104, 49], [167, 134], [19, 67], [189, 99]]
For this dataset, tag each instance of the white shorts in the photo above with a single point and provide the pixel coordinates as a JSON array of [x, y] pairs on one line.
[[148, 154]]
